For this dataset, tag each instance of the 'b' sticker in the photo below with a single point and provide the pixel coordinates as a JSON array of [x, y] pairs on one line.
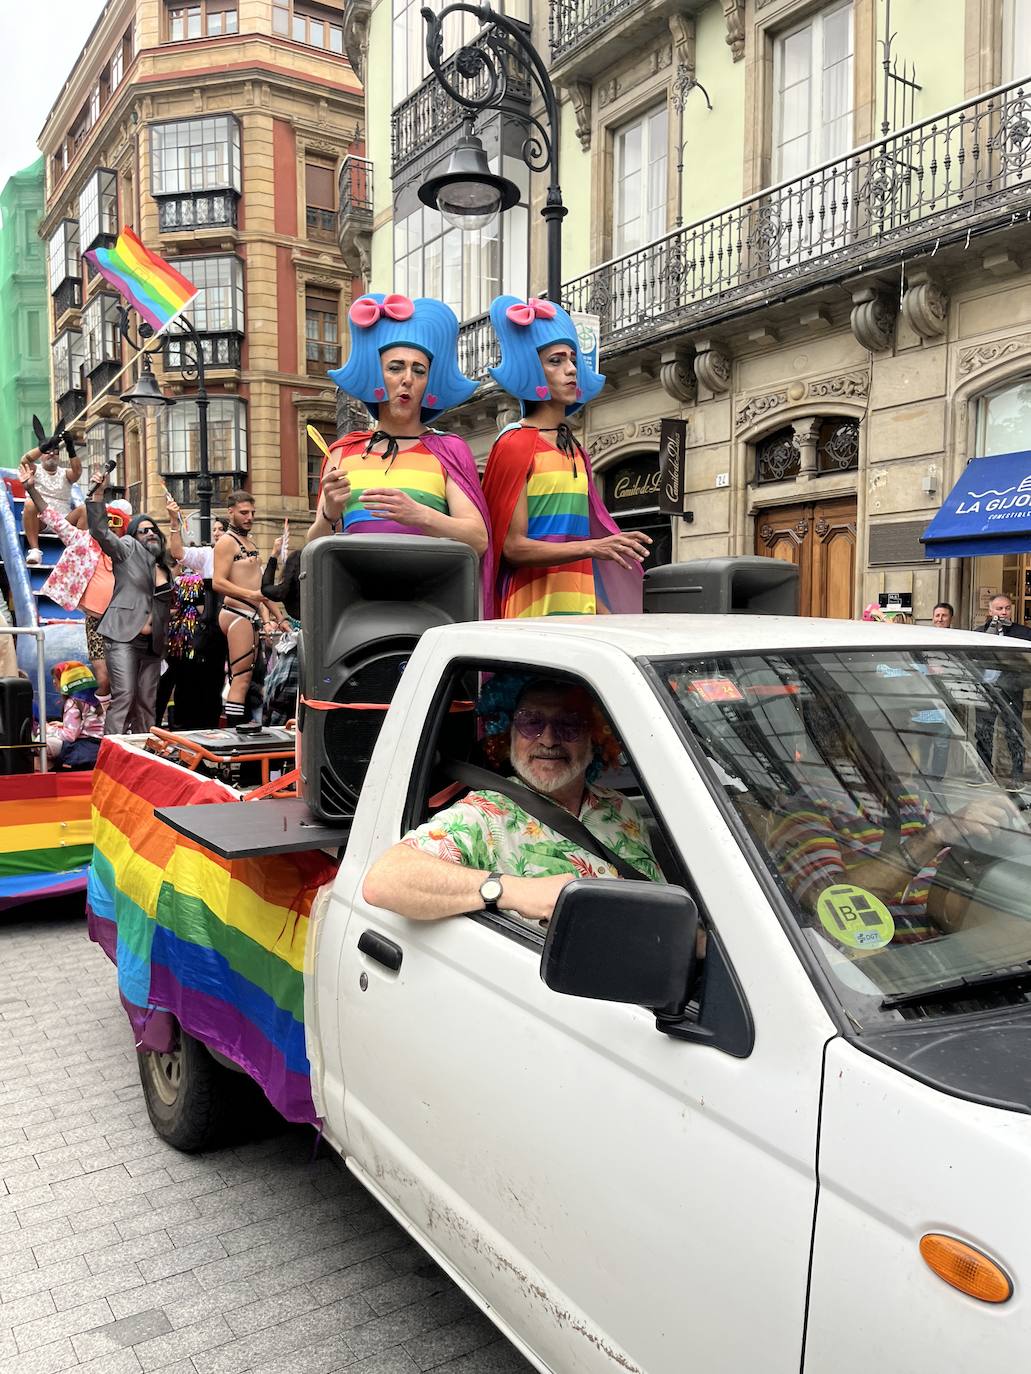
[[855, 917]]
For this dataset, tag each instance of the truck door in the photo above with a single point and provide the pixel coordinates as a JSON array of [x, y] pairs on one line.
[[616, 1197]]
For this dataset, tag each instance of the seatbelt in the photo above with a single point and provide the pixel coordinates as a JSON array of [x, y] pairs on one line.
[[546, 811]]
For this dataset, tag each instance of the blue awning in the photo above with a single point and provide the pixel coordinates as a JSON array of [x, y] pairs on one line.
[[988, 511]]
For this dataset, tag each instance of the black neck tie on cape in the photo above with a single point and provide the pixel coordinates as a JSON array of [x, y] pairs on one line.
[[566, 443], [391, 442]]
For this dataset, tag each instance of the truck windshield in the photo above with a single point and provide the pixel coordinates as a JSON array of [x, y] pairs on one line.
[[878, 788]]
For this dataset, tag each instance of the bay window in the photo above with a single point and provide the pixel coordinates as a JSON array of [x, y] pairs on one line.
[[98, 209], [101, 338], [68, 357], [217, 312], [195, 171], [179, 437]]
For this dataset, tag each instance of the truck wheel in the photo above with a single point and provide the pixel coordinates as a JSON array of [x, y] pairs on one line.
[[189, 1097]]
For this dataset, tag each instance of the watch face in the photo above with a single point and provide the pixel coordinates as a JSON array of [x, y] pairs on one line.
[[490, 889]]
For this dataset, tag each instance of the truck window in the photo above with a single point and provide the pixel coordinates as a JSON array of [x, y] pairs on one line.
[[875, 786], [462, 817]]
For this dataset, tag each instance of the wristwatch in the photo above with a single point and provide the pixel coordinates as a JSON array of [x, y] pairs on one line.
[[490, 892]]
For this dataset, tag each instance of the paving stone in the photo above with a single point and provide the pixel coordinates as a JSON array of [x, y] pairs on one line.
[[125, 1331], [110, 1284], [178, 1260], [435, 1348], [206, 1302], [25, 1309], [382, 1332], [256, 1316], [46, 1359], [45, 1329], [499, 1358], [145, 1250], [169, 1294], [43, 1278]]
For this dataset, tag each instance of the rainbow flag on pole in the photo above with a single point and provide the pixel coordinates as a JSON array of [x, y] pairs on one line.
[[216, 944], [155, 290]]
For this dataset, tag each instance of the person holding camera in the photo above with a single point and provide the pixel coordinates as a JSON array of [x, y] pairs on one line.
[[1008, 692]]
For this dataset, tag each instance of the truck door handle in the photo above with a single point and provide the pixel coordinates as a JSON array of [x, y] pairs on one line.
[[384, 951]]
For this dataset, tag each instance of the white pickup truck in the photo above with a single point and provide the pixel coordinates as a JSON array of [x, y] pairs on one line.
[[809, 1148]]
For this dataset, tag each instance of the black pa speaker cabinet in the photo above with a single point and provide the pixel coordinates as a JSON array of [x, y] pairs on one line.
[[15, 725], [365, 600], [714, 586]]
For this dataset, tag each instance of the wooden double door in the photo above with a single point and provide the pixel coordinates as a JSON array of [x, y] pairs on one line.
[[820, 538]]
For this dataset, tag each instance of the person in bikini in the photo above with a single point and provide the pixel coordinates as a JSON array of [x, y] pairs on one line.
[[244, 614]]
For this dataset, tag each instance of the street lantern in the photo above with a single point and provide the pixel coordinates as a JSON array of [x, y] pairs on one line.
[[468, 194], [146, 393]]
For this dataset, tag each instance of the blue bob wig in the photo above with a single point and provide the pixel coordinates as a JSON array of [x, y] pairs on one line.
[[523, 329], [378, 322]]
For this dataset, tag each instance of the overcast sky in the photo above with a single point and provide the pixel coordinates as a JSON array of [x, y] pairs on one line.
[[40, 41]]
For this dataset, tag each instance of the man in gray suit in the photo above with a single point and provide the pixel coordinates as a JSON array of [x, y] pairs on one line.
[[134, 624]]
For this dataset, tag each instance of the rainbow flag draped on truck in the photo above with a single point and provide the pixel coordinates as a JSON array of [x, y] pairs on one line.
[[216, 944]]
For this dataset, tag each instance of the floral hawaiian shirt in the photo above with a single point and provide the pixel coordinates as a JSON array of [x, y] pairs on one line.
[[76, 566], [486, 830]]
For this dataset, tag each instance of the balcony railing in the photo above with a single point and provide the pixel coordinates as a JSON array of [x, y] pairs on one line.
[[197, 210], [356, 190], [572, 21], [424, 117], [967, 170], [182, 487], [219, 349], [478, 348]]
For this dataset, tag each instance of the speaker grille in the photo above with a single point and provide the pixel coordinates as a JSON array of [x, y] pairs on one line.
[[351, 735]]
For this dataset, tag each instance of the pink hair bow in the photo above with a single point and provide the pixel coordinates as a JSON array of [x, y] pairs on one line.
[[534, 309], [365, 311]]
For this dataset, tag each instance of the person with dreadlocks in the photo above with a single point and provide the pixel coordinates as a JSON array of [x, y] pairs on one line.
[[557, 550], [487, 849], [133, 626], [403, 476]]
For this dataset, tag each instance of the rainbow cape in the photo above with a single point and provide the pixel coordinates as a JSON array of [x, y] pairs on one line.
[[216, 944], [45, 835], [155, 290]]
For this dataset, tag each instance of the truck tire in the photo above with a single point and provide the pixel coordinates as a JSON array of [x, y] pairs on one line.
[[190, 1098]]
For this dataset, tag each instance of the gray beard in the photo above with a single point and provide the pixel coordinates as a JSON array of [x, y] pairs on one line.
[[555, 784]]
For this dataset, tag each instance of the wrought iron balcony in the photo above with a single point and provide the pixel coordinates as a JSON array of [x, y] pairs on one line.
[[478, 348], [428, 114], [220, 349], [966, 171], [197, 210], [585, 36]]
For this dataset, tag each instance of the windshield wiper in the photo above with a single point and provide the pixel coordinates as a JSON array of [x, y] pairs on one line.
[[953, 989]]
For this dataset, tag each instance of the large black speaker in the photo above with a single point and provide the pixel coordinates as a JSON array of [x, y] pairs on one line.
[[15, 725], [365, 600], [713, 586]]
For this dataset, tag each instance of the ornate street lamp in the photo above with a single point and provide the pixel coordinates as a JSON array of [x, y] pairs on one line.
[[468, 193], [146, 393]]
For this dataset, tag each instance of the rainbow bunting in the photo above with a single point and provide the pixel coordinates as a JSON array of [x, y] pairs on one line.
[[155, 290], [45, 835], [217, 944]]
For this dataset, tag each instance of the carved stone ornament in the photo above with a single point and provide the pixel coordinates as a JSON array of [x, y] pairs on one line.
[[734, 14], [925, 307], [845, 386], [609, 91], [712, 368], [677, 380], [356, 35], [973, 359], [579, 93], [873, 318], [758, 406], [610, 438], [682, 29], [649, 429]]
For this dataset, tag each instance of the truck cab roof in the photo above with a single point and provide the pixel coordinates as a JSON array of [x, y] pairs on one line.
[[661, 635]]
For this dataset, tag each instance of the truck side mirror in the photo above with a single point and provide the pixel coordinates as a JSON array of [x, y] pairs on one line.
[[622, 942]]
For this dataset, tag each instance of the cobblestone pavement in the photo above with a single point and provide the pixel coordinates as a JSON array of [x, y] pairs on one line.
[[118, 1254]]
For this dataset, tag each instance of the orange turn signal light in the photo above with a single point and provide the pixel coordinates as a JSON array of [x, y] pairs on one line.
[[965, 1268]]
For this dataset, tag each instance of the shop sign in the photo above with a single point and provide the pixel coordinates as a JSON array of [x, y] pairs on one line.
[[634, 485], [672, 466], [588, 336]]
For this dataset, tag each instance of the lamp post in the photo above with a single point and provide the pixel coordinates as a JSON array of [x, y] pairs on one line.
[[146, 392], [468, 194]]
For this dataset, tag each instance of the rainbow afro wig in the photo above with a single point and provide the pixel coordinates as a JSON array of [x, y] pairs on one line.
[[523, 329], [500, 697], [378, 322]]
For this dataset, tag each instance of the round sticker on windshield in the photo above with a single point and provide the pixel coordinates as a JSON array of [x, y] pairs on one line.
[[855, 917]]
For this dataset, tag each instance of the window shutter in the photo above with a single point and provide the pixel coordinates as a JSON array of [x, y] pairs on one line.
[[319, 186]]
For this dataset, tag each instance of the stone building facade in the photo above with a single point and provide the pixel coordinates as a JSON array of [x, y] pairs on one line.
[[817, 259], [218, 130]]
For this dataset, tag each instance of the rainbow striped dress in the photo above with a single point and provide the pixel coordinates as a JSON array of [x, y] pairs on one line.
[[414, 470], [558, 511]]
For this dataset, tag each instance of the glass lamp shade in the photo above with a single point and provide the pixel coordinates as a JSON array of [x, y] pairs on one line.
[[468, 194]]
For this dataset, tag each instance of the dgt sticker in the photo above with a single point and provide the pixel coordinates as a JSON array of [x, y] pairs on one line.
[[855, 917]]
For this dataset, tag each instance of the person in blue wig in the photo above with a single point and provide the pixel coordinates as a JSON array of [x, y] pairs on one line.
[[557, 551], [402, 476]]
